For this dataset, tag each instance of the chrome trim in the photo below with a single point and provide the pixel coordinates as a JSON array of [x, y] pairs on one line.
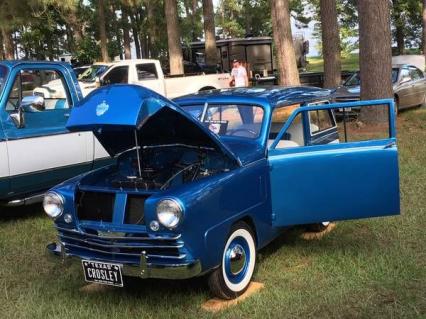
[[146, 269], [115, 245], [182, 256], [26, 201], [119, 238]]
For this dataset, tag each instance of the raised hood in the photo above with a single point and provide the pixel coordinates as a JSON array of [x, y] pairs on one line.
[[117, 113]]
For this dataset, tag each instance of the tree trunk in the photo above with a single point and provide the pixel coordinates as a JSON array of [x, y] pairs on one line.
[[126, 32], [152, 32], [424, 28], [1, 47], [375, 56], [8, 43], [330, 43], [400, 39], [102, 31], [173, 31], [135, 31], [286, 58], [399, 23], [209, 31]]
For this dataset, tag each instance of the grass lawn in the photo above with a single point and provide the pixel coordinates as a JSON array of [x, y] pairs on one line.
[[316, 64], [374, 268]]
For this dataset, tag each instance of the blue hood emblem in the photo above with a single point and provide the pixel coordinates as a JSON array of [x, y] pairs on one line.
[[102, 108]]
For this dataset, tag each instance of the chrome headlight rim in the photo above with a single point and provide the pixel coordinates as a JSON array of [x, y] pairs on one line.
[[178, 216], [59, 200]]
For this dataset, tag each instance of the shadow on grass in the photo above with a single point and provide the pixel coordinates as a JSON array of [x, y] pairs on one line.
[[21, 212]]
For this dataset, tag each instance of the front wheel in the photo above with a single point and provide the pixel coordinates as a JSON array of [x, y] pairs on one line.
[[233, 277]]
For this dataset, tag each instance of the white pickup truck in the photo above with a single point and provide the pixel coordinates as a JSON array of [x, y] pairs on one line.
[[148, 73]]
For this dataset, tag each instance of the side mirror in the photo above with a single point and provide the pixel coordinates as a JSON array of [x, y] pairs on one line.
[[18, 118], [32, 104]]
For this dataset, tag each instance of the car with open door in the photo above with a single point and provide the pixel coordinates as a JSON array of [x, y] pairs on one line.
[[200, 184]]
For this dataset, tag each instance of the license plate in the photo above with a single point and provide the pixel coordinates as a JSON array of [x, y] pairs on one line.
[[102, 273]]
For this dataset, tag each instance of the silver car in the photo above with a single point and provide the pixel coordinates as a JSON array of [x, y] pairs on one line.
[[409, 87]]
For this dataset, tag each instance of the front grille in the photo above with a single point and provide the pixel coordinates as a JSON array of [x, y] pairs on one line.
[[127, 248], [95, 206], [135, 210]]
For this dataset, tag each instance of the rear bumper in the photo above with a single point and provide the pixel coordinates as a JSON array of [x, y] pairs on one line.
[[146, 269]]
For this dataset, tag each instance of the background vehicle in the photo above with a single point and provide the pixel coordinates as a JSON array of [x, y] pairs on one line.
[[409, 85], [149, 74], [191, 196], [37, 150]]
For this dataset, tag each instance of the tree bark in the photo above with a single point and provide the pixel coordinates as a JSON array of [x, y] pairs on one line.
[[399, 22], [424, 28], [126, 32], [173, 31], [135, 31], [9, 52], [1, 47], [330, 43], [286, 58], [102, 31], [375, 56], [209, 32]]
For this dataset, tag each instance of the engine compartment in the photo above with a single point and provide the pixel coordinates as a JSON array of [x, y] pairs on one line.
[[161, 167]]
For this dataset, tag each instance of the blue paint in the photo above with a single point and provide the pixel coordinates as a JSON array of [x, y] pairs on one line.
[[271, 188]]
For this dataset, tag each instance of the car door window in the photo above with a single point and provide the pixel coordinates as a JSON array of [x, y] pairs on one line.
[[119, 74], [42, 99], [415, 74], [146, 71], [48, 84], [405, 75]]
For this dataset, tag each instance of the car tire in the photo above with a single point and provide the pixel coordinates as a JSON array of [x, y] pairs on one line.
[[233, 277], [318, 227]]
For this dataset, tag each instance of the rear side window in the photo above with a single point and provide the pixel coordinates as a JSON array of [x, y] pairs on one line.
[[119, 74], [320, 120], [146, 71]]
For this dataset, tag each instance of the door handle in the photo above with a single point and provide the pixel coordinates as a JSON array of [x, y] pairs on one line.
[[66, 115], [392, 144]]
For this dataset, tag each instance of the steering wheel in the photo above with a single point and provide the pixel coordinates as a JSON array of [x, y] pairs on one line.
[[253, 133]]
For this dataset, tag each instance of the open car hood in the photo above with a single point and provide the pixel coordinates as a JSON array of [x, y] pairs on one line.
[[117, 113]]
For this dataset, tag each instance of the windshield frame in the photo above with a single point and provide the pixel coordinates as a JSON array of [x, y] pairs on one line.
[[204, 107], [4, 72]]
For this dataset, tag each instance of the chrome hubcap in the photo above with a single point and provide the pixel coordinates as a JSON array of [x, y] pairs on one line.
[[237, 259]]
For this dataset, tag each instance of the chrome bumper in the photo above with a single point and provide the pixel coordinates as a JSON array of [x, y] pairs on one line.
[[144, 270]]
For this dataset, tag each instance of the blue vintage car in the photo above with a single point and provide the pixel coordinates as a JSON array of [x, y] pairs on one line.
[[202, 183]]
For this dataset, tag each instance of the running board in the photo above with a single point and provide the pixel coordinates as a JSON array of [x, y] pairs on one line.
[[25, 201]]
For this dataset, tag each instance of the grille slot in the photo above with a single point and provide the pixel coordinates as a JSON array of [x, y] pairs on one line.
[[95, 206], [126, 249], [135, 210]]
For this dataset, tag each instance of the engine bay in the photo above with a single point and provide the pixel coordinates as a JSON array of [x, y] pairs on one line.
[[160, 167]]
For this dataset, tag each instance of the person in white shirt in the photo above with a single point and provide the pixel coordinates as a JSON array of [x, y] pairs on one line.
[[239, 75]]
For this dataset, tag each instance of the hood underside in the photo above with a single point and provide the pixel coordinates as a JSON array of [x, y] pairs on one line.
[[123, 117]]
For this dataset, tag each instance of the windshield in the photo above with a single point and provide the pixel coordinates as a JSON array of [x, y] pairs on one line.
[[92, 72], [354, 80], [3, 74], [229, 119]]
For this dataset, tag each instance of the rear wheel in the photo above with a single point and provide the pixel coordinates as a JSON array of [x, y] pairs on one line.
[[233, 276]]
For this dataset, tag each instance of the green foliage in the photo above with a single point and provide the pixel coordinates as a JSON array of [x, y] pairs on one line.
[[407, 15], [239, 18]]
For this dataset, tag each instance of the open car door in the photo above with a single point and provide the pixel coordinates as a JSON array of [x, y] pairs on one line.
[[357, 177]]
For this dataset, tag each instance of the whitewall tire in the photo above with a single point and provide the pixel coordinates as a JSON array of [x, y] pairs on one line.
[[233, 276]]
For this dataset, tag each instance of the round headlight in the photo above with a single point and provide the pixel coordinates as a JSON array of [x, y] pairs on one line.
[[53, 204], [169, 213]]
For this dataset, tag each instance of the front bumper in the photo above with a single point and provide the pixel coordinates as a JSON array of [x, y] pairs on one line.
[[146, 269]]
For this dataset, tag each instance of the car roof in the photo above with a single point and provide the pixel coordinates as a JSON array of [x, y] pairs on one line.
[[12, 63], [272, 95]]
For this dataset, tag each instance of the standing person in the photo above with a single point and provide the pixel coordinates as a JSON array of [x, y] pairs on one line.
[[239, 75]]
